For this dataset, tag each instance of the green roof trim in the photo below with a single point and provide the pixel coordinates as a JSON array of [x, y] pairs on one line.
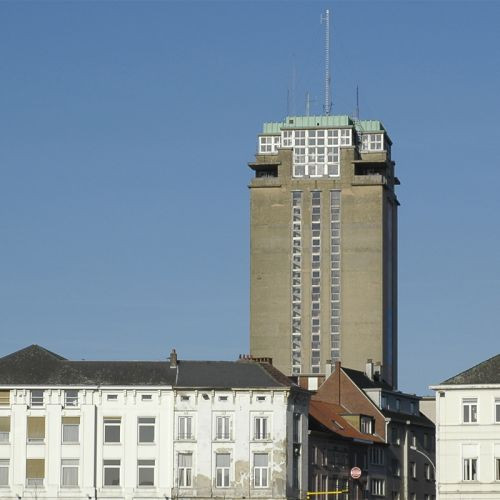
[[322, 121]]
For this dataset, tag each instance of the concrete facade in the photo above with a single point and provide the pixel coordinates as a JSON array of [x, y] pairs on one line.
[[468, 434], [239, 432], [367, 318]]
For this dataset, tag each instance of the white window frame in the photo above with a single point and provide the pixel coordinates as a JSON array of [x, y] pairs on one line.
[[496, 409], [222, 473], [261, 472], [37, 401], [261, 428], [224, 422], [184, 472], [144, 466], [470, 466], [70, 464], [5, 466], [146, 422], [185, 428], [71, 399], [472, 406], [496, 465], [377, 487], [108, 465], [112, 422], [64, 441]]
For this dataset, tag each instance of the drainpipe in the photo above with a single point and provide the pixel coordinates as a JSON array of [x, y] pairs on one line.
[[406, 452], [95, 451]]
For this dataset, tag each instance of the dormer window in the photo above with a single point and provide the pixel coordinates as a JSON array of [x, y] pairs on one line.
[[366, 425]]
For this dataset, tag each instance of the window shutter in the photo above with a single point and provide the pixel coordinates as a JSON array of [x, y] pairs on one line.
[[71, 420], [35, 468], [36, 427], [4, 424]]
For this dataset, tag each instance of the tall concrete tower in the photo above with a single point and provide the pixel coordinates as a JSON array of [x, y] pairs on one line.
[[324, 246]]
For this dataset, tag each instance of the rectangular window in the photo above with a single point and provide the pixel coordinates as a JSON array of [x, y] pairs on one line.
[[261, 470], [146, 472], [469, 410], [222, 463], [497, 469], [185, 428], [69, 473], [146, 397], [71, 398], [4, 398], [185, 470], [35, 472], [112, 397], [112, 430], [376, 456], [395, 436], [146, 429], [296, 427], [413, 470], [36, 429], [36, 397], [70, 429], [4, 429], [427, 472], [396, 468], [4, 472], [366, 425], [470, 469], [497, 411], [111, 472], [222, 428], [377, 487], [261, 430]]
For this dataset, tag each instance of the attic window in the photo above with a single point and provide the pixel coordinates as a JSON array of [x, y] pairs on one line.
[[146, 397], [261, 398], [184, 398], [222, 398], [112, 397], [366, 425]]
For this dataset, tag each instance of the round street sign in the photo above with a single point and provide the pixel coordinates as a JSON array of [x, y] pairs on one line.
[[355, 472]]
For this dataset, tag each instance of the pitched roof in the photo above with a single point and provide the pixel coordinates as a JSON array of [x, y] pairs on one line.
[[363, 382], [35, 365], [330, 416], [419, 419], [487, 372]]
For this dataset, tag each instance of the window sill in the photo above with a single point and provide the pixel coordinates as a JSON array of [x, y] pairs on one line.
[[112, 444], [146, 444], [70, 442], [35, 442], [72, 488]]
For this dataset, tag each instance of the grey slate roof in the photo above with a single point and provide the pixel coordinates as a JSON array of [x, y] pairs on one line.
[[363, 382], [487, 372], [37, 366]]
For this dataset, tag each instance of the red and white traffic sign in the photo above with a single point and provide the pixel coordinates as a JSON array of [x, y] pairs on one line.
[[355, 472]]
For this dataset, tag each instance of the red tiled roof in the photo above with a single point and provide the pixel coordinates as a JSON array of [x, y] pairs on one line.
[[329, 415]]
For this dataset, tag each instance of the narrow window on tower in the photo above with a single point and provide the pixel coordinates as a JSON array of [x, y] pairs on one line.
[[316, 284], [334, 276], [296, 291]]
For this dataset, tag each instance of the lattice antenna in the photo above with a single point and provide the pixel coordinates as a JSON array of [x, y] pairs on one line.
[[328, 104]]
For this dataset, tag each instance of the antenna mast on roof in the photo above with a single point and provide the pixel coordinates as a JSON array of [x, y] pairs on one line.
[[326, 19]]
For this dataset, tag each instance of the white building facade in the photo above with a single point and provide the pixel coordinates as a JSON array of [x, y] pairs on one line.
[[468, 434], [149, 430]]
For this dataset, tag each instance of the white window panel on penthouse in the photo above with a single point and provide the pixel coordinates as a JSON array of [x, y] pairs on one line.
[[269, 143], [372, 142]]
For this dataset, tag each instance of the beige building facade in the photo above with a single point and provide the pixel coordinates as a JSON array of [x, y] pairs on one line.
[[324, 246]]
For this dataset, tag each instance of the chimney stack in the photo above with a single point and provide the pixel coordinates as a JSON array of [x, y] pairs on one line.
[[173, 359], [377, 371], [369, 369]]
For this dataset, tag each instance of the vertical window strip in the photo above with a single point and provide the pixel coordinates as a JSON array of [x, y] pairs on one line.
[[316, 280], [335, 276], [296, 290]]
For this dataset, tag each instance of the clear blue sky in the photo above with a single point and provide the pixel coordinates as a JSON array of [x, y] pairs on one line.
[[125, 130]]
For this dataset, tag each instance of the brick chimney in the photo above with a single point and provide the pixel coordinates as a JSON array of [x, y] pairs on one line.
[[173, 359]]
